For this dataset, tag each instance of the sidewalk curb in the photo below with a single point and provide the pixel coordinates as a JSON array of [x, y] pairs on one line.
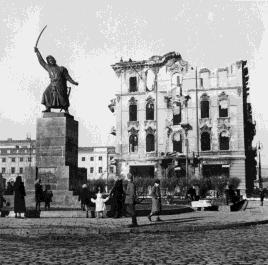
[[74, 231]]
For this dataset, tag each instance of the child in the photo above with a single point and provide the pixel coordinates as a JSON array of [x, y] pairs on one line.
[[48, 198], [100, 203]]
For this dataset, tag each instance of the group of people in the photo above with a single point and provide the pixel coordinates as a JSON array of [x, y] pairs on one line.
[[95, 201], [42, 196], [122, 201]]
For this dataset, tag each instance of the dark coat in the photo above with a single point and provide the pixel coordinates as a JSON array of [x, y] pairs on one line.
[[156, 199], [38, 192], [19, 200], [85, 197], [117, 190], [48, 194], [130, 193]]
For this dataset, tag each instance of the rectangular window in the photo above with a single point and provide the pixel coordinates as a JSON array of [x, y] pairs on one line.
[[12, 170], [223, 109], [83, 158], [111, 157], [204, 109], [3, 170], [91, 158], [132, 112], [100, 158], [100, 169], [13, 159], [21, 170], [201, 82], [133, 84], [111, 170], [29, 159], [91, 169], [178, 80], [21, 159], [3, 160]]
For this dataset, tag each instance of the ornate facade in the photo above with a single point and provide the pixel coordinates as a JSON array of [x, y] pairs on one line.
[[171, 116]]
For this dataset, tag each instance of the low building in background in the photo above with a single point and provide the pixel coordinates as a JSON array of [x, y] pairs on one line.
[[99, 161], [17, 157]]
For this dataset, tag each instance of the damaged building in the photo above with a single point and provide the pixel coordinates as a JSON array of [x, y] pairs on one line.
[[172, 118]]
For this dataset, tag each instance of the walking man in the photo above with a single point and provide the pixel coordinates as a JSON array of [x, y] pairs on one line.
[[130, 200], [261, 196]]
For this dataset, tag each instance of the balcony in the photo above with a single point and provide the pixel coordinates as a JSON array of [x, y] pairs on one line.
[[205, 122], [224, 123], [151, 124], [112, 104], [133, 125]]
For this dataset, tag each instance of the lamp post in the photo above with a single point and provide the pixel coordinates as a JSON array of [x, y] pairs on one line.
[[259, 147], [186, 127]]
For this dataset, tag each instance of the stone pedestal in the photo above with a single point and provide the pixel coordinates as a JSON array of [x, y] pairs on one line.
[[57, 158]]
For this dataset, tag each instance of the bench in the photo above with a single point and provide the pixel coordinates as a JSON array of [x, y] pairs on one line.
[[201, 204]]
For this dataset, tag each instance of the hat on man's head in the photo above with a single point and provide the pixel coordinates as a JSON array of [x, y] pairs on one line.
[[157, 181], [129, 176]]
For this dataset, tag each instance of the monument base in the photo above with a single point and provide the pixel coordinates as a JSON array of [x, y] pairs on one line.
[[56, 160]]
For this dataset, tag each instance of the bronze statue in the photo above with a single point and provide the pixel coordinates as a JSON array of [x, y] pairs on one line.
[[56, 95]]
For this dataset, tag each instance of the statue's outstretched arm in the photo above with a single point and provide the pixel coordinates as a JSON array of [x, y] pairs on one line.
[[68, 77], [40, 58]]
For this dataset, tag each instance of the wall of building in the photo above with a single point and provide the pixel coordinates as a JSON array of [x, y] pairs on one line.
[[222, 82], [98, 159]]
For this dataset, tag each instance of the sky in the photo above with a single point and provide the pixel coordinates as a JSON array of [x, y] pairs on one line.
[[87, 37]]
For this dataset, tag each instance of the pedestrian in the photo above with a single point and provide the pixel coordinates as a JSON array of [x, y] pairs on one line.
[[130, 199], [83, 196], [191, 193], [48, 194], [38, 194], [19, 200], [156, 201], [100, 203], [117, 198], [262, 195]]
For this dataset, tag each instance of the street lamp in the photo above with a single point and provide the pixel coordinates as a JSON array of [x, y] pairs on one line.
[[186, 127], [259, 147]]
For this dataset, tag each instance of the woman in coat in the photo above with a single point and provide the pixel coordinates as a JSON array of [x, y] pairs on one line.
[[19, 200], [117, 196], [156, 201]]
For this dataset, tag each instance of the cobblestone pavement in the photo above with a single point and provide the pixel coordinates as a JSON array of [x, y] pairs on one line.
[[229, 247], [199, 220]]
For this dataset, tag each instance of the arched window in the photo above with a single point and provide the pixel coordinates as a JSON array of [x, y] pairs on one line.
[[150, 143], [133, 143], [150, 111], [133, 84], [224, 140], [176, 113], [177, 143], [205, 141], [132, 112]]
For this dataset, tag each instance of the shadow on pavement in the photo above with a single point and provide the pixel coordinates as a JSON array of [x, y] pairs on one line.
[[172, 221]]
